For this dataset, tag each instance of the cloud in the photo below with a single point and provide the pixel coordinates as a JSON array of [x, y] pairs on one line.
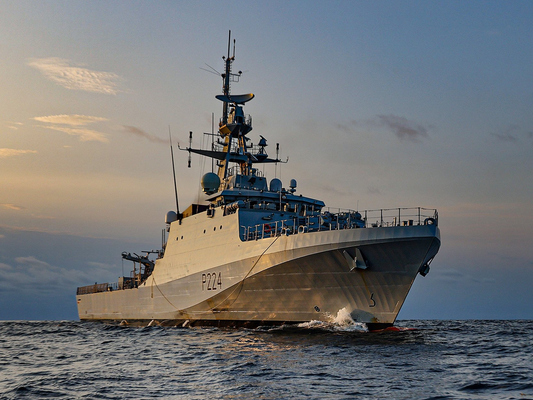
[[31, 275], [74, 77], [348, 128], [32, 262], [508, 135], [334, 190], [14, 125], [373, 190], [78, 122], [5, 267], [403, 128], [85, 135], [12, 206], [139, 132], [75, 120], [454, 276], [100, 265], [505, 137], [14, 152]]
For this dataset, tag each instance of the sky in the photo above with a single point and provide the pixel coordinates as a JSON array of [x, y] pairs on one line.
[[378, 104]]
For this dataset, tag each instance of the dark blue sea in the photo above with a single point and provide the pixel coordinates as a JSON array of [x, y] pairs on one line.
[[434, 360]]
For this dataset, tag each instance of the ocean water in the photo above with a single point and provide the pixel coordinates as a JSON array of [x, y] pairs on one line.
[[433, 360]]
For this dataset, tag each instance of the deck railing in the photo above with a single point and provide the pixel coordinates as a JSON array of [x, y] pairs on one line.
[[97, 288], [339, 219]]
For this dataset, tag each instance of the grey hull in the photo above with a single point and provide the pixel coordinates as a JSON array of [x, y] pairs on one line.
[[310, 284]]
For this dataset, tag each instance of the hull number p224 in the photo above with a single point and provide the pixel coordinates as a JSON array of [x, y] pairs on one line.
[[212, 281]]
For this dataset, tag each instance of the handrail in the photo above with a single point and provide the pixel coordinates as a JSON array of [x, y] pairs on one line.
[[342, 219], [97, 288]]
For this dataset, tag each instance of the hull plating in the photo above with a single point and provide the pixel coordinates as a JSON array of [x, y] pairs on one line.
[[298, 278]]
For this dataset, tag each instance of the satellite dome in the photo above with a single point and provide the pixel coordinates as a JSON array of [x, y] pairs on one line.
[[210, 183], [171, 217], [275, 185], [293, 183]]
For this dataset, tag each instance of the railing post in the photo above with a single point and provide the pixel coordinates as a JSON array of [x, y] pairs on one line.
[[399, 216]]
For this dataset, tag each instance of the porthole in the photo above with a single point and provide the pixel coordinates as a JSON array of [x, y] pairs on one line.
[[215, 228], [204, 230], [220, 226], [182, 237]]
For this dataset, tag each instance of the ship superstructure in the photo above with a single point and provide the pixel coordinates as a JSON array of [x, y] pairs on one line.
[[255, 253]]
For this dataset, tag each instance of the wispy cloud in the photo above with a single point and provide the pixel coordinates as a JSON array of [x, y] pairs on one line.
[[508, 135], [403, 128], [76, 77], [14, 125], [373, 190], [11, 206], [30, 273], [32, 261], [505, 137], [335, 190], [14, 152], [139, 132], [454, 276], [74, 119], [77, 123], [348, 128], [85, 135]]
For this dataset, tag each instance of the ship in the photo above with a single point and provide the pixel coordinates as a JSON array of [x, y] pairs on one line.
[[254, 253]]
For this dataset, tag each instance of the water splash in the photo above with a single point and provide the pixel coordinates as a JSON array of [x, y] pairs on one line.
[[342, 322]]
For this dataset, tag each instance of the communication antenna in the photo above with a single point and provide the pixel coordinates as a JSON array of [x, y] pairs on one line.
[[190, 146], [214, 71], [212, 140], [174, 173], [277, 158], [229, 42]]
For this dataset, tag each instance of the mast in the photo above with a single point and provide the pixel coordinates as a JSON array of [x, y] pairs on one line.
[[233, 128], [226, 82], [223, 165]]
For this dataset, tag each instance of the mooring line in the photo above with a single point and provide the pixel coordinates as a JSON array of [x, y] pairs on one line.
[[238, 286]]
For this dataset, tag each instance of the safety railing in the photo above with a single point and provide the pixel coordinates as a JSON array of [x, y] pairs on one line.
[[400, 217], [97, 288], [339, 219]]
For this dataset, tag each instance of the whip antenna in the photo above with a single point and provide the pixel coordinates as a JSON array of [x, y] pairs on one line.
[[190, 145], [174, 173]]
